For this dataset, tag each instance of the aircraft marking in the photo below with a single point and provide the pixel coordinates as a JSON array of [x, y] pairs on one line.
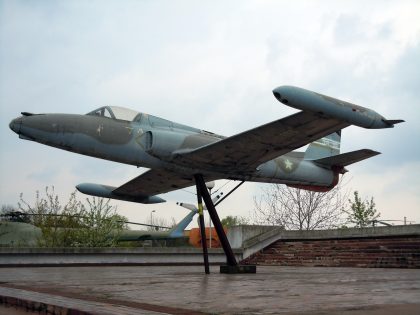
[[99, 130], [288, 165], [335, 145], [130, 130]]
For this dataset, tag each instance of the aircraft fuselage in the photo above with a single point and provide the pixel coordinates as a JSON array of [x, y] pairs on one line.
[[145, 143]]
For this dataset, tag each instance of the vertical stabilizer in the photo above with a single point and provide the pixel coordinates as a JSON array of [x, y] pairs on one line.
[[178, 230], [324, 147]]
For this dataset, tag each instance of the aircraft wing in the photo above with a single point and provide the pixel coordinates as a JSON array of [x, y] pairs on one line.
[[154, 182], [243, 152], [143, 188]]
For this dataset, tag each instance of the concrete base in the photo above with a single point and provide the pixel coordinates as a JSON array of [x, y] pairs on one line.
[[14, 257], [238, 269]]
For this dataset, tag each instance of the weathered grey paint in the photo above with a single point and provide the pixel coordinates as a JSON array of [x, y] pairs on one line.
[[325, 105], [177, 152], [118, 141]]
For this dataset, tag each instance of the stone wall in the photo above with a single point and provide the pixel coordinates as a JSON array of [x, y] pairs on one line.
[[369, 251], [238, 235]]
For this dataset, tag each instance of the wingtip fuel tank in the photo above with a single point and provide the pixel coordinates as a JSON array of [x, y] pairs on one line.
[[325, 105]]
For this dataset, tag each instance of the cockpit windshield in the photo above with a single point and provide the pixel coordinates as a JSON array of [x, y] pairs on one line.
[[116, 112], [121, 113]]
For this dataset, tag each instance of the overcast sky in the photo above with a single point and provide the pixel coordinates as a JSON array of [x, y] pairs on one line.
[[210, 65]]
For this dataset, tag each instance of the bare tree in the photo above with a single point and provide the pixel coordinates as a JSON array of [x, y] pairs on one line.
[[298, 209], [157, 222]]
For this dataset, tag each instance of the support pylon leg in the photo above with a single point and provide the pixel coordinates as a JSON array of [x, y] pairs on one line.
[[202, 230], [201, 185]]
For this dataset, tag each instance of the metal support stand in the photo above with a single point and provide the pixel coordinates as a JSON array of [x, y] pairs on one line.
[[232, 265], [202, 229], [228, 194]]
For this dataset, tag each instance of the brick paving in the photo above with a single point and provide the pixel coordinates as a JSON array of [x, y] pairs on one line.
[[186, 290]]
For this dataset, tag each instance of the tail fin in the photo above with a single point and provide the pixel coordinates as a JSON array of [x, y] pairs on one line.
[[178, 230], [324, 147]]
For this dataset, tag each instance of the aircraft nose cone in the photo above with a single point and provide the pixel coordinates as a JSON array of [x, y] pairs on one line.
[[15, 124]]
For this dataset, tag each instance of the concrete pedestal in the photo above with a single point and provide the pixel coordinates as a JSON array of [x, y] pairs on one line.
[[238, 269]]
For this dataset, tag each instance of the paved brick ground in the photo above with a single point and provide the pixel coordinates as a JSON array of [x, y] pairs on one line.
[[183, 290]]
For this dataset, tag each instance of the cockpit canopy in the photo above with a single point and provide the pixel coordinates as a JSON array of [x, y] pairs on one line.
[[116, 112], [121, 113]]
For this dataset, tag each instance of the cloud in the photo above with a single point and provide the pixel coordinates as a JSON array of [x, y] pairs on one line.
[[210, 65], [395, 190]]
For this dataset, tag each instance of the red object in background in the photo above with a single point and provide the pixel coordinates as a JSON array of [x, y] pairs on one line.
[[195, 237]]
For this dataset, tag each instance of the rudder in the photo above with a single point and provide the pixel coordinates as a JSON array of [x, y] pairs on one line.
[[324, 147]]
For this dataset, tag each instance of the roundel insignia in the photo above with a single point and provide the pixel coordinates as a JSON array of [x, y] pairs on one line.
[[287, 164]]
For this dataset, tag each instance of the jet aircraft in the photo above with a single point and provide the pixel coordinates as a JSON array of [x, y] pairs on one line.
[[16, 230], [179, 156], [176, 232]]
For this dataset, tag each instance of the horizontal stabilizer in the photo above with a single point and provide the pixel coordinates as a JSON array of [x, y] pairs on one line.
[[342, 160]]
